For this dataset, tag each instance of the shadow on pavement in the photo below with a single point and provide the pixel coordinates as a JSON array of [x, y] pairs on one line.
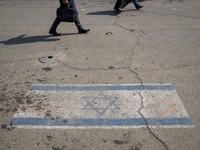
[[107, 12], [22, 39]]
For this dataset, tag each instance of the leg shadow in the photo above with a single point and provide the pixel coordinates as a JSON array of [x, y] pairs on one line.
[[23, 39]]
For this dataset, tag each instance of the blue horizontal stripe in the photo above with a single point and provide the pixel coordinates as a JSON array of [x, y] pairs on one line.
[[101, 87], [101, 122]]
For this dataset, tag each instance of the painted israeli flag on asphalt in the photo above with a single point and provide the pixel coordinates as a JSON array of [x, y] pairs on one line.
[[134, 105]]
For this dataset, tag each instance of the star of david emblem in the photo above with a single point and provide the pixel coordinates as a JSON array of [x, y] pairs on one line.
[[101, 103]]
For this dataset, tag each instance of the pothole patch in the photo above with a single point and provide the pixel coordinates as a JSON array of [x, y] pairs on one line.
[[47, 59]]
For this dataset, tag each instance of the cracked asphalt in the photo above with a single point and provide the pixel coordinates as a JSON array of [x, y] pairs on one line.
[[158, 44]]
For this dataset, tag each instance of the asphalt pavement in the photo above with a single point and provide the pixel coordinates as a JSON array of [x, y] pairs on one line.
[[155, 45]]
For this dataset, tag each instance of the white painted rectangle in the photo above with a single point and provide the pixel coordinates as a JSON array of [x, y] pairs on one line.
[[102, 106]]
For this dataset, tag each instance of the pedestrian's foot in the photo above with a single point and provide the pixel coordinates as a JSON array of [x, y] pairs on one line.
[[138, 7], [54, 33], [83, 31], [117, 9]]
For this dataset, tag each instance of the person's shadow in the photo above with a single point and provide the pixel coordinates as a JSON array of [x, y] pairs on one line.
[[23, 39], [106, 12]]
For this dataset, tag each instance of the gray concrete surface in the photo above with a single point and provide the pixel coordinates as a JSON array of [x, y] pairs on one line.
[[159, 44]]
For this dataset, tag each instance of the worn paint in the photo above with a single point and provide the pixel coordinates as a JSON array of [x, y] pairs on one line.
[[102, 106]]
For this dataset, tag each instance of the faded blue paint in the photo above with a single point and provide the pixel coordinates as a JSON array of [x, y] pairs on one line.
[[90, 101], [101, 87], [102, 122]]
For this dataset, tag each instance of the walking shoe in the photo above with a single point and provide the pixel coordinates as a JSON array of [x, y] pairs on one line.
[[83, 31], [54, 33], [117, 9], [138, 7]]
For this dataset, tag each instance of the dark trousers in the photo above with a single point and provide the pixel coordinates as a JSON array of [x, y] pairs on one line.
[[135, 2], [58, 21], [118, 3]]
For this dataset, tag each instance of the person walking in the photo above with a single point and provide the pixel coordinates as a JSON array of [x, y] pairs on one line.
[[126, 2], [71, 4]]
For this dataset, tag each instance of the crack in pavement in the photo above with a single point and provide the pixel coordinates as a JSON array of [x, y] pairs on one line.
[[141, 35], [92, 69], [143, 117], [140, 94], [7, 62], [138, 31]]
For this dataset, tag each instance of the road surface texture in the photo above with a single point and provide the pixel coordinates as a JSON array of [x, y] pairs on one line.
[[155, 45]]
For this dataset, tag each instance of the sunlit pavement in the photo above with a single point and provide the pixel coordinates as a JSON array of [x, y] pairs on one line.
[[131, 83]]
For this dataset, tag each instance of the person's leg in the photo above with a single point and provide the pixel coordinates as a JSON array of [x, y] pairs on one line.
[[77, 20], [117, 5], [54, 27], [137, 5]]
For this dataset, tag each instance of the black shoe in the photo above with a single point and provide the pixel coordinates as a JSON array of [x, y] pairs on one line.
[[54, 33], [138, 7], [83, 31], [117, 9]]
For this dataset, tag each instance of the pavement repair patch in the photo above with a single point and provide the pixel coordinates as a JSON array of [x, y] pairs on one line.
[[135, 105]]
